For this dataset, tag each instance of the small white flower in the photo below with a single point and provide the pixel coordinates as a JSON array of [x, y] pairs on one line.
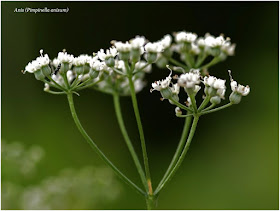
[[229, 48], [119, 64], [70, 76], [97, 65], [161, 84], [122, 47], [175, 89], [238, 88], [139, 84], [200, 42], [38, 63], [138, 42], [47, 87], [55, 62], [58, 79], [166, 41], [112, 52], [185, 37], [82, 60], [32, 67], [189, 80], [217, 84], [155, 47], [195, 49], [64, 57], [178, 111], [189, 101], [43, 60], [141, 64]]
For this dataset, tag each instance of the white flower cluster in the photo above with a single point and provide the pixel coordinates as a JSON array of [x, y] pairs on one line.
[[215, 86], [161, 84], [238, 88], [38, 63], [194, 50], [112, 52], [185, 37], [190, 80]]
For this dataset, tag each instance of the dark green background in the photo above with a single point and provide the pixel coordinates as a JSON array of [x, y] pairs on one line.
[[233, 160]]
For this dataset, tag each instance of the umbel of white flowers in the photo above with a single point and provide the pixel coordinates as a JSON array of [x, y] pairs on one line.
[[193, 50], [108, 70], [214, 88]]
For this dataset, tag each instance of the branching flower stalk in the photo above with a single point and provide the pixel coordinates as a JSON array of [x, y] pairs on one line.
[[120, 71]]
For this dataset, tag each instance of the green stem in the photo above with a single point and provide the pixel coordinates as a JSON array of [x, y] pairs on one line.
[[96, 149], [88, 85], [64, 76], [151, 203], [181, 158], [128, 141], [209, 107], [204, 103], [180, 105], [216, 109], [200, 59], [178, 63], [141, 133], [215, 60], [192, 96], [59, 86], [178, 151], [55, 93]]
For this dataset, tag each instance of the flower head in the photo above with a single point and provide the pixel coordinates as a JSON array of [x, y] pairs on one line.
[[64, 57], [166, 41], [82, 60], [38, 63], [155, 47], [112, 52], [189, 80], [138, 42], [122, 47], [218, 86], [162, 84], [238, 88], [185, 37]]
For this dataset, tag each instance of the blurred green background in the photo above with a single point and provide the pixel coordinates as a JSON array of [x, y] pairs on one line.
[[233, 160]]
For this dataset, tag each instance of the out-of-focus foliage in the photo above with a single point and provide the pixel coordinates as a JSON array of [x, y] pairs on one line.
[[82, 188]]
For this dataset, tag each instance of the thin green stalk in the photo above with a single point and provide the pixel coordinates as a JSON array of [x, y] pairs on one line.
[[204, 103], [209, 107], [141, 133], [59, 86], [178, 150], [215, 60], [192, 96], [50, 84], [178, 63], [180, 105], [184, 116], [200, 60], [89, 85], [118, 71], [128, 141], [216, 109], [64, 76], [55, 93], [96, 149], [180, 160]]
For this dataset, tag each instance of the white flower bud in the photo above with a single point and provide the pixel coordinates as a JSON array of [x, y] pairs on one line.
[[178, 111]]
